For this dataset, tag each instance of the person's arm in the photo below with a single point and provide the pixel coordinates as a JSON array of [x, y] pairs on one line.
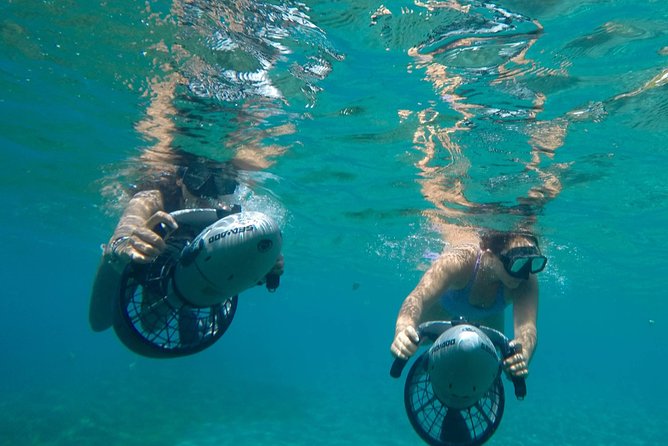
[[134, 238], [406, 338], [432, 284], [133, 241], [525, 312]]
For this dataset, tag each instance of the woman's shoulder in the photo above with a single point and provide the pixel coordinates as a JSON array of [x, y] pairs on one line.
[[457, 262], [462, 254]]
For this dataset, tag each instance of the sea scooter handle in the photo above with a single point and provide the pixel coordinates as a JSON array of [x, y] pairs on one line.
[[272, 280], [432, 330]]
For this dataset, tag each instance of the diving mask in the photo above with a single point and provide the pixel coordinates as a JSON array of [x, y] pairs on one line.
[[524, 260]]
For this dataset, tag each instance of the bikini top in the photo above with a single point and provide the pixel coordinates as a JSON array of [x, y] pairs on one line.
[[456, 302]]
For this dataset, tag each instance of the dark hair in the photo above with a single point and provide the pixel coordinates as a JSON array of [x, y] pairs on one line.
[[202, 176], [205, 178], [498, 241], [165, 182]]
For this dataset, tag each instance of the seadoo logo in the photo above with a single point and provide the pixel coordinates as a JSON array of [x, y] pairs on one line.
[[447, 343], [235, 231]]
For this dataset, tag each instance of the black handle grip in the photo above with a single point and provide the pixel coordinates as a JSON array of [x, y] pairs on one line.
[[397, 367], [273, 281], [519, 382], [160, 229], [520, 387]]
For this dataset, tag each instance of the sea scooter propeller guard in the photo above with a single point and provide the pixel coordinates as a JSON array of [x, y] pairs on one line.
[[435, 422]]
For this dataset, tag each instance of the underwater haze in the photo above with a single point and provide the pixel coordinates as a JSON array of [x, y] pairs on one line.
[[372, 122]]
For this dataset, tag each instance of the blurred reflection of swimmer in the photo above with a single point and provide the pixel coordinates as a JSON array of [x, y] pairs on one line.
[[222, 84]]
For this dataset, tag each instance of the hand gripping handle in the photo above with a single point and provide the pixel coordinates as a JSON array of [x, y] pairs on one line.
[[427, 330], [519, 382]]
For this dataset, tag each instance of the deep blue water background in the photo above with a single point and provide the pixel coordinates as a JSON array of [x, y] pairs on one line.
[[309, 364]]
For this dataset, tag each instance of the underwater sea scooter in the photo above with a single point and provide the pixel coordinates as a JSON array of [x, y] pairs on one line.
[[453, 393], [184, 301]]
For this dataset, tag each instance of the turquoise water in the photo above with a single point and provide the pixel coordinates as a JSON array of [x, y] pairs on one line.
[[370, 108]]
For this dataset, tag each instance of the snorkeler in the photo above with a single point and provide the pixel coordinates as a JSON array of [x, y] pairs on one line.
[[233, 92], [161, 181], [170, 275], [477, 282]]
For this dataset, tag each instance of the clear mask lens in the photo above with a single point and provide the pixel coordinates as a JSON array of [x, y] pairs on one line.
[[538, 264], [519, 264]]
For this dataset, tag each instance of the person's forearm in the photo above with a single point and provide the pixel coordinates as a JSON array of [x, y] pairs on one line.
[[423, 296], [410, 313], [527, 336], [139, 209], [525, 314]]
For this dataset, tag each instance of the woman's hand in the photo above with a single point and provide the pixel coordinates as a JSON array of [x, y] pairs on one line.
[[272, 278], [405, 342], [142, 244], [517, 364], [279, 266]]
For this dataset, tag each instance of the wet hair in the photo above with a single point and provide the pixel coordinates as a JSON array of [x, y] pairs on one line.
[[500, 241], [209, 179], [165, 182]]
